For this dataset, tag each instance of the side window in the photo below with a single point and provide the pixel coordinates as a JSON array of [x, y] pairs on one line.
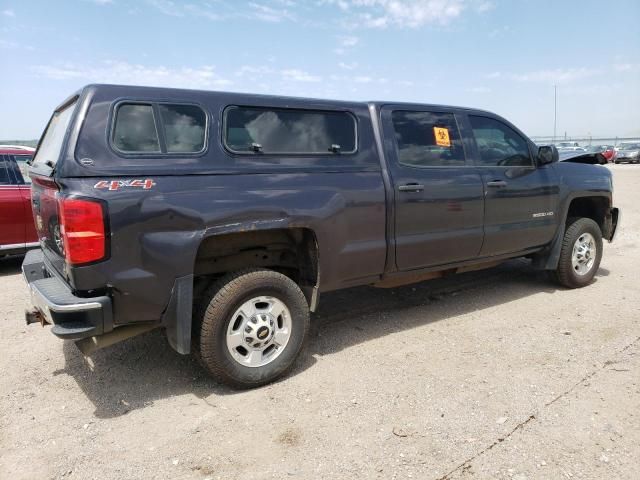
[[498, 144], [21, 168], [427, 139], [184, 127], [176, 128], [135, 129], [4, 173], [288, 131]]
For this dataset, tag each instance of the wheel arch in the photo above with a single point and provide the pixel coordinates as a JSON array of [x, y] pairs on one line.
[[291, 250], [593, 205]]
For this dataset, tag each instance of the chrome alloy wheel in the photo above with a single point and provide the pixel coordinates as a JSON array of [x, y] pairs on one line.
[[259, 331], [584, 254]]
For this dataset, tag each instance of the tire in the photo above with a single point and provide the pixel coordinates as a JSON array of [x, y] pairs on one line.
[[577, 269], [246, 338]]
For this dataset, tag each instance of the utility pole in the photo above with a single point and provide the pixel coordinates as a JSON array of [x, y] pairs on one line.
[[555, 111]]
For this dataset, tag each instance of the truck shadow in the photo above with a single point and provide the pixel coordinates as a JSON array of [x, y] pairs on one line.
[[135, 373]]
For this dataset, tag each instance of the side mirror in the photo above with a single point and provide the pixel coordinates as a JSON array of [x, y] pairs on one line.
[[547, 154]]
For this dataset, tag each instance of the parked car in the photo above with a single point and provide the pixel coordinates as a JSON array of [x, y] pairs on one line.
[[222, 217], [17, 230], [607, 151], [629, 153], [567, 146]]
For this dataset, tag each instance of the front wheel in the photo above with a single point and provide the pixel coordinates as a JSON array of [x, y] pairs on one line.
[[580, 254], [253, 324]]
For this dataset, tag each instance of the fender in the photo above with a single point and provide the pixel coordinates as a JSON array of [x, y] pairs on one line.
[[310, 288], [548, 258]]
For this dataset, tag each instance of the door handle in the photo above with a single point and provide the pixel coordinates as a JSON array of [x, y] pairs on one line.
[[411, 187], [497, 183]]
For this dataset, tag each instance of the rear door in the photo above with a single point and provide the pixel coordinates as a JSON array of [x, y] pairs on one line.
[[11, 209], [438, 195], [22, 180], [521, 197]]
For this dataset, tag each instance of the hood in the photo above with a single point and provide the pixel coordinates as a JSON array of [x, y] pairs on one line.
[[629, 153], [581, 157]]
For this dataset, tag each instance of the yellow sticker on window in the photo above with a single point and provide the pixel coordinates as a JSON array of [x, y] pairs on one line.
[[442, 136]]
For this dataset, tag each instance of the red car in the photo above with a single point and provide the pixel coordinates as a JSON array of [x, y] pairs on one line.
[[17, 229], [607, 151]]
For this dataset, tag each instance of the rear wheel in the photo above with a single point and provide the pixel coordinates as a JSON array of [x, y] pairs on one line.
[[580, 254], [253, 325]]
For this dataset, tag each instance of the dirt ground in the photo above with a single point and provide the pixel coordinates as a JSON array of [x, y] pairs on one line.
[[495, 374]]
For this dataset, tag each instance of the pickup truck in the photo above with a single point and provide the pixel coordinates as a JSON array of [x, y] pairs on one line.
[[222, 217]]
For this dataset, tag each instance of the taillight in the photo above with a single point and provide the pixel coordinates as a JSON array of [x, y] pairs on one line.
[[82, 230]]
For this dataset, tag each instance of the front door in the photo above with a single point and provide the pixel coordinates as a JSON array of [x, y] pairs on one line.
[[438, 195], [521, 198]]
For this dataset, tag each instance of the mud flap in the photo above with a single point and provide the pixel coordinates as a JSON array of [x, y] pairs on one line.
[[548, 259], [178, 316]]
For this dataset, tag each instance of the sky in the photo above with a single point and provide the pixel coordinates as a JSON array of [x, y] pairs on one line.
[[500, 55]]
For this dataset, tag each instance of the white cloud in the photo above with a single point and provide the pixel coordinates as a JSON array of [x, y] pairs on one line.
[[558, 75], [119, 72], [8, 44], [11, 45], [203, 12], [626, 67], [346, 44], [498, 32], [270, 14], [482, 6], [349, 41], [407, 13], [252, 70], [299, 76], [168, 7], [273, 12], [479, 89], [8, 13], [348, 66], [363, 79]]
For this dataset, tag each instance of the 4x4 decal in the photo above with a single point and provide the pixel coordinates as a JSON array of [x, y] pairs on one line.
[[145, 184]]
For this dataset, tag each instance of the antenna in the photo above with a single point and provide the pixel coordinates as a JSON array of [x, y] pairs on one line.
[[555, 111]]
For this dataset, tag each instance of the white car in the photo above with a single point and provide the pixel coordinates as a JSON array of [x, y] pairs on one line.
[[628, 152], [569, 147]]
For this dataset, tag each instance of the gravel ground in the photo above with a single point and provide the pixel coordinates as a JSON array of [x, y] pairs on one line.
[[493, 374]]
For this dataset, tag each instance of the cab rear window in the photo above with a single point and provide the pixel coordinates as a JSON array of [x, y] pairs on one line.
[[159, 128], [50, 145]]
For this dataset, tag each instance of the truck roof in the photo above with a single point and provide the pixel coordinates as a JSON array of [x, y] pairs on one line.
[[277, 99]]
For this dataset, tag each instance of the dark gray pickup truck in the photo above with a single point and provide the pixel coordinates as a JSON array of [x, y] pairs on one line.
[[221, 217]]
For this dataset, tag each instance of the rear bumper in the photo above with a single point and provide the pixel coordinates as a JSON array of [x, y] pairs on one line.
[[54, 303]]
